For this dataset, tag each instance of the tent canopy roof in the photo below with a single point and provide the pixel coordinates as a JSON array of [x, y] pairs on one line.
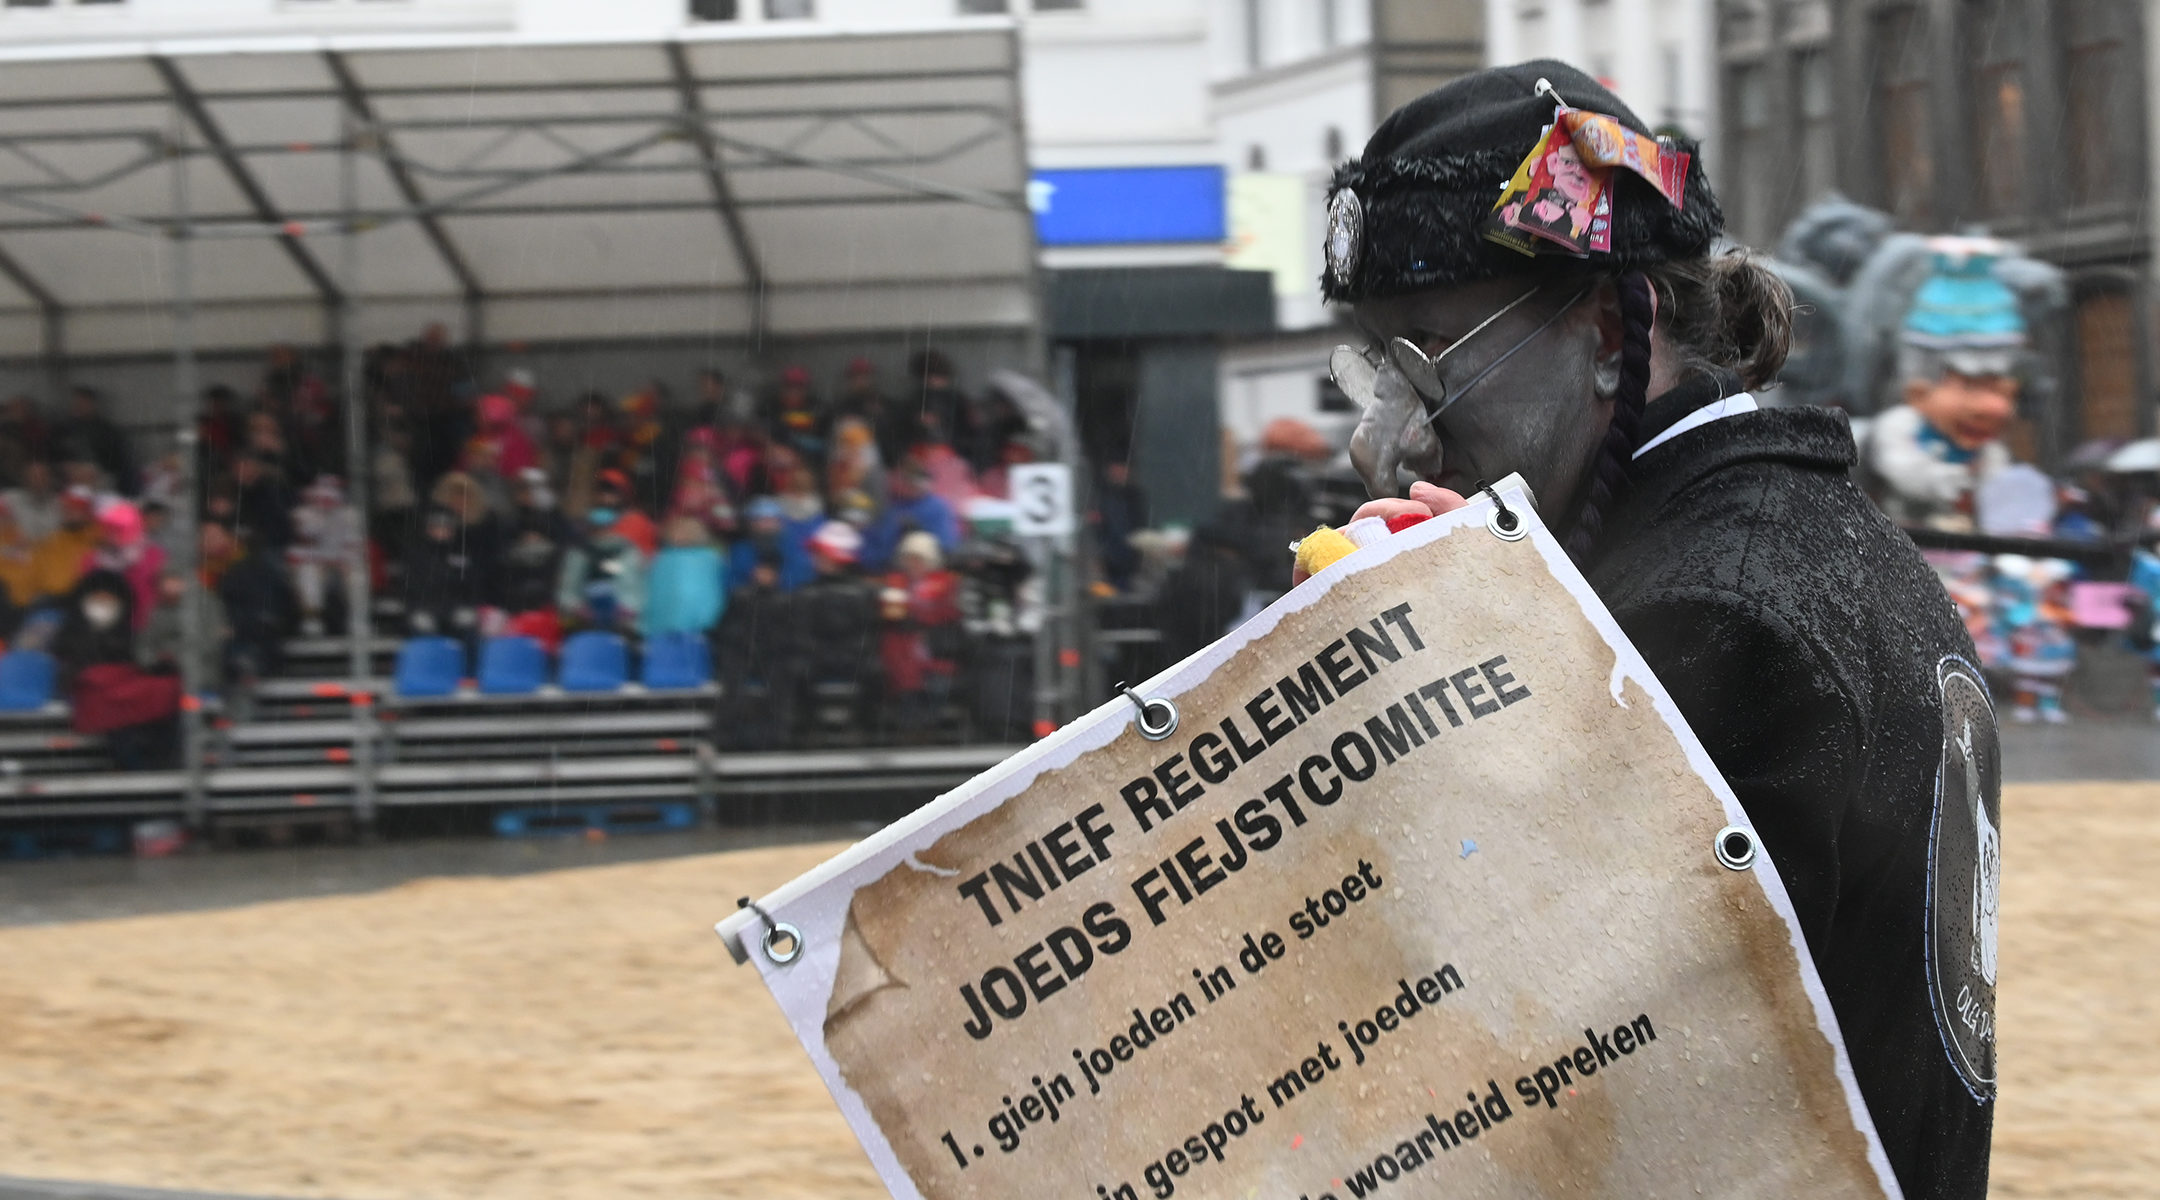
[[735, 182]]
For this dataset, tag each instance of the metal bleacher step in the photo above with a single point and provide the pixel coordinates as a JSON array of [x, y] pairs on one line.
[[66, 841], [576, 820]]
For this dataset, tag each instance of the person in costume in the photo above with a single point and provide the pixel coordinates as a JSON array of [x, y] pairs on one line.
[[1802, 637], [1958, 360], [2145, 616]]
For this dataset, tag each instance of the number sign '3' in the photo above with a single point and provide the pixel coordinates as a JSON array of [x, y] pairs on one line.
[[1042, 500]]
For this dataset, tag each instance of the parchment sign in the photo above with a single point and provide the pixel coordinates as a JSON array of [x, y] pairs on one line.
[[1420, 898]]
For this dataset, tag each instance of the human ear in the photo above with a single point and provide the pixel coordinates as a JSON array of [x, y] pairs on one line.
[[1604, 308]]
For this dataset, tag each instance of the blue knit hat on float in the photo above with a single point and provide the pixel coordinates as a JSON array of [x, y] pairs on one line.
[[1966, 318]]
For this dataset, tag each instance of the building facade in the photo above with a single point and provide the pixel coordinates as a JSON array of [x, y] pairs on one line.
[[1297, 87], [2026, 119], [1657, 55]]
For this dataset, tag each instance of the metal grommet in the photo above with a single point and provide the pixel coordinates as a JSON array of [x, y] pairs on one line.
[[1158, 717], [1735, 847], [782, 943], [1502, 521]]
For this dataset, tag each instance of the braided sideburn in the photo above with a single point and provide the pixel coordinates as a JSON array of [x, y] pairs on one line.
[[1609, 478]]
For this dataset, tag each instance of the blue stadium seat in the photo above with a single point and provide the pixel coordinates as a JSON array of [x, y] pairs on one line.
[[512, 666], [677, 660], [429, 666], [26, 680], [594, 662]]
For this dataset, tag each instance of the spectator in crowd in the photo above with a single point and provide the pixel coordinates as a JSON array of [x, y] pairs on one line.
[[160, 480], [123, 550], [24, 438], [262, 500], [83, 473], [163, 637], [18, 580], [686, 590], [603, 577], [951, 478], [995, 422], [218, 548], [940, 410], [441, 424], [393, 499], [578, 450], [159, 528], [259, 610], [1277, 508], [327, 538], [446, 583], [479, 466], [218, 429], [739, 443], [699, 492], [35, 500], [912, 506], [57, 564], [797, 422], [534, 543], [754, 653], [860, 397], [136, 712], [89, 435], [502, 431], [919, 646], [768, 543], [638, 454], [1120, 512], [615, 509], [302, 404], [854, 474], [836, 616]]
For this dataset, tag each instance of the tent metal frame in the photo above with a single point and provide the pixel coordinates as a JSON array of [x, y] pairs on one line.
[[195, 133]]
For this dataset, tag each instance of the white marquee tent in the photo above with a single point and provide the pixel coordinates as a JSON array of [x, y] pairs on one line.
[[734, 181]]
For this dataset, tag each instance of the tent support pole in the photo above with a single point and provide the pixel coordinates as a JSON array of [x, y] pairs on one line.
[[193, 622], [359, 596]]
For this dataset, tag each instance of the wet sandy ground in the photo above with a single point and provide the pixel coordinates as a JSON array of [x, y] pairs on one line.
[[581, 1033]]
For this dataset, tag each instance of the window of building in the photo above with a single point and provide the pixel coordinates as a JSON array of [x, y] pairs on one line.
[[1059, 5], [1901, 107], [1255, 43], [1669, 72], [57, 3], [790, 10], [1256, 157], [2103, 117], [1749, 140], [1331, 145], [1817, 105], [981, 7], [2107, 366], [712, 10], [1995, 50], [1330, 25]]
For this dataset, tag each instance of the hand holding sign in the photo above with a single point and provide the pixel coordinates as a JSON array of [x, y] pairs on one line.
[[1261, 958]]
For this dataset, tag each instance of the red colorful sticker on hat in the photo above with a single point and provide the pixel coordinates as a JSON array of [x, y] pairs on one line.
[[1560, 198]]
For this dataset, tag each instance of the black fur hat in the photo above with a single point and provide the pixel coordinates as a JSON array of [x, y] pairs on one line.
[[1434, 169]]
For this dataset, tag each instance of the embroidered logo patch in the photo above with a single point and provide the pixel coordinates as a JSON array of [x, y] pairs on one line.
[[1345, 236], [1965, 877]]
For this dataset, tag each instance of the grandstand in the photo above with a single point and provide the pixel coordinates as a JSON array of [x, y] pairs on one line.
[[532, 735], [764, 195]]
